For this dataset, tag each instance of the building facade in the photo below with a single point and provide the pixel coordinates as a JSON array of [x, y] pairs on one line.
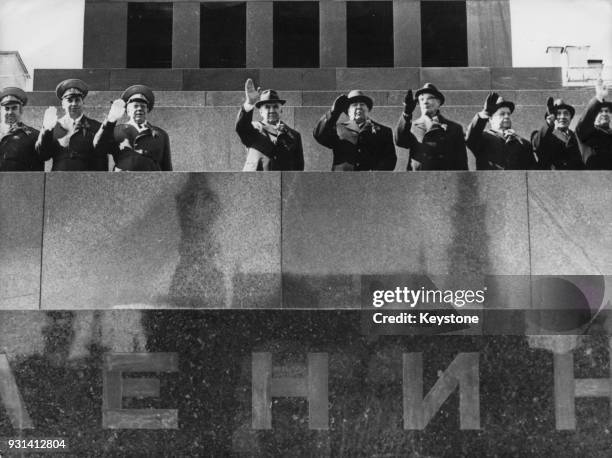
[[294, 34]]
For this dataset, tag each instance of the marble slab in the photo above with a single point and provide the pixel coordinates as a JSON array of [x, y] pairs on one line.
[[570, 222], [161, 240], [21, 227], [338, 228], [205, 369]]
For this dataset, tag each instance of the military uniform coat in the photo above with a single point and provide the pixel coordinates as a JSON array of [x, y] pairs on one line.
[[493, 152], [433, 146], [283, 149], [369, 147], [80, 153], [556, 150], [598, 155], [17, 150], [144, 151]]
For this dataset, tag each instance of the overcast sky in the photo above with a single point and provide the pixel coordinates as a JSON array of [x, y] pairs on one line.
[[49, 33], [537, 24]]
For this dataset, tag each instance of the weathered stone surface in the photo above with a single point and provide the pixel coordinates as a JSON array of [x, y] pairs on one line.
[[339, 227], [161, 240], [21, 225], [569, 223], [212, 390]]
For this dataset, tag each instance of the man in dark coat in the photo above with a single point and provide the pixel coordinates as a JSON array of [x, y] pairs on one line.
[[359, 143], [595, 132], [270, 143], [500, 147], [555, 144], [435, 142], [68, 141], [137, 145], [17, 153]]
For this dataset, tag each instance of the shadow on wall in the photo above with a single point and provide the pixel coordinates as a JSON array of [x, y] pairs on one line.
[[467, 259], [196, 281]]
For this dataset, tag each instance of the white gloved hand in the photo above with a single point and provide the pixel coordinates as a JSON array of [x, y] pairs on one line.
[[601, 91], [116, 111], [50, 118]]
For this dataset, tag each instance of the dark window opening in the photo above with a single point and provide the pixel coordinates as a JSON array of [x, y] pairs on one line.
[[369, 28], [149, 35], [223, 35], [444, 34], [296, 34]]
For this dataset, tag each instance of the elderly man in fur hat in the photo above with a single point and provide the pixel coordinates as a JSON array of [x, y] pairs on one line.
[[270, 143], [555, 144], [594, 130], [359, 143], [17, 140], [499, 147], [138, 145], [434, 141], [68, 141]]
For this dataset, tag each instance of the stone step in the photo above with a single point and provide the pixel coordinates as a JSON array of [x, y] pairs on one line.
[[204, 139], [229, 79], [454, 98]]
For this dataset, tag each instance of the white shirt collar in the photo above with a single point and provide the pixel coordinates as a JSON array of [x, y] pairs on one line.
[[144, 126]]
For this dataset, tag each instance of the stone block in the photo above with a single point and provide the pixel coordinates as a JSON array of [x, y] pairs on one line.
[[298, 79], [20, 239], [48, 79], [236, 98], [326, 98], [526, 78], [218, 79], [489, 33], [538, 97], [377, 78], [105, 34], [318, 78], [161, 240], [43, 99], [259, 34], [467, 78], [156, 78], [569, 223], [338, 228], [332, 34], [407, 33], [186, 35]]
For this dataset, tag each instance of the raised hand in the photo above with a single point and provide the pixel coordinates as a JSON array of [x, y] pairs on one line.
[[602, 91], [550, 111], [250, 93], [340, 104], [490, 105], [50, 118], [410, 103], [116, 111]]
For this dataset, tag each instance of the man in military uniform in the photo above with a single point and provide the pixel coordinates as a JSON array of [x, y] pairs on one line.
[[595, 132], [137, 145], [17, 140], [500, 147], [555, 144], [68, 141], [359, 143], [270, 144], [435, 142]]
